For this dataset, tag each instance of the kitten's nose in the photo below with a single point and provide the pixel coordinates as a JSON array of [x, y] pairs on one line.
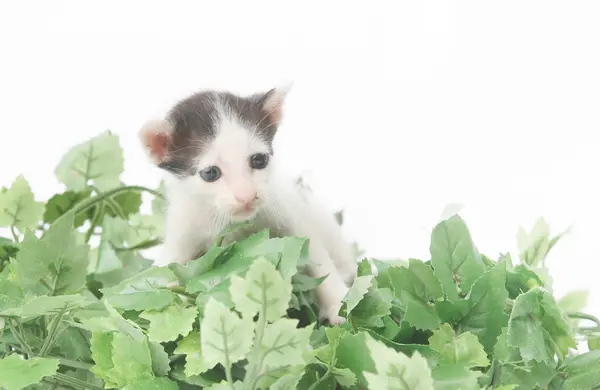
[[246, 198]]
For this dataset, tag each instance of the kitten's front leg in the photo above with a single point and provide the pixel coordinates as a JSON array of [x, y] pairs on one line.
[[333, 289]]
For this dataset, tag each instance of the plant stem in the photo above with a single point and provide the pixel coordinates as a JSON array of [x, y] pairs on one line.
[[20, 338], [88, 203], [181, 290], [69, 380], [142, 245], [255, 360], [14, 233], [98, 214], [321, 379], [49, 342], [74, 364], [584, 316]]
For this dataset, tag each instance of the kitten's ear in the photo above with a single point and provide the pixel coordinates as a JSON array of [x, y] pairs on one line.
[[272, 101], [155, 136]]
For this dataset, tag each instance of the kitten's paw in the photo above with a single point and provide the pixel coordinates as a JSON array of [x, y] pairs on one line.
[[331, 315]]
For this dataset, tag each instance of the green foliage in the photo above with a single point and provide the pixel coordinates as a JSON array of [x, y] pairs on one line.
[[82, 308]]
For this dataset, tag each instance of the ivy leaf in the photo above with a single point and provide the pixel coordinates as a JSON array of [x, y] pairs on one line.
[[169, 323], [18, 206], [191, 347], [153, 384], [61, 203], [56, 259], [98, 161], [485, 316], [284, 344], [17, 373], [535, 323], [355, 294], [455, 260], [226, 338], [263, 287], [395, 370], [462, 350]]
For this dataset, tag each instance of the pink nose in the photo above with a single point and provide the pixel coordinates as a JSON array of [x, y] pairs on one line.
[[246, 199]]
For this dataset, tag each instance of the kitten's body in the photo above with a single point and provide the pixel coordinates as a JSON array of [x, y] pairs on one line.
[[215, 129]]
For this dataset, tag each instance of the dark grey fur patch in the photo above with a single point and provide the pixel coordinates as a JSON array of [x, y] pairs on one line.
[[195, 119]]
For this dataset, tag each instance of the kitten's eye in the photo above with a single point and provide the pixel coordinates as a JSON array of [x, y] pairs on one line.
[[259, 160], [210, 174]]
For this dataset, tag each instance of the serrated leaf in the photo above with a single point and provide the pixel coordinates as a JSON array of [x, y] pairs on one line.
[[462, 350], [18, 206], [485, 316], [396, 370], [101, 347], [191, 347], [153, 384], [287, 381], [284, 344], [374, 305], [98, 161], [169, 323], [112, 321], [521, 279], [59, 204], [344, 376], [262, 287], [129, 203], [226, 338], [17, 373], [455, 260], [355, 294], [131, 359], [160, 359], [452, 377], [144, 227], [199, 266], [56, 259], [536, 323]]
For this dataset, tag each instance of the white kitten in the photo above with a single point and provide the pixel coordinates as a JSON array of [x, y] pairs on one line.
[[216, 149]]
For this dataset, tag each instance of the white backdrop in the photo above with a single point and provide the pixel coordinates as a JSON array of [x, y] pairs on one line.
[[397, 109]]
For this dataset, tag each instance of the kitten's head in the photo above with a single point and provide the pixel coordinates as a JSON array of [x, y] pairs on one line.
[[217, 148]]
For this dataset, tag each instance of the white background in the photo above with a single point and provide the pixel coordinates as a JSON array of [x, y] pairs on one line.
[[397, 109]]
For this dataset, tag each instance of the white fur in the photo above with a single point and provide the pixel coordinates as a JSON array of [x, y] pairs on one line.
[[197, 211]]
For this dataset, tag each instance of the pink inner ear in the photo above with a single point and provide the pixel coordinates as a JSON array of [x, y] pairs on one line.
[[157, 143]]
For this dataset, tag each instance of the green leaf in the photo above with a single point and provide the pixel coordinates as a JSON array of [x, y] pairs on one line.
[[226, 338], [344, 376], [374, 305], [538, 328], [144, 227], [262, 287], [359, 288], [98, 161], [153, 384], [200, 266], [169, 323], [573, 301], [394, 370], [35, 306], [191, 347], [456, 262], [452, 377], [160, 359], [61, 203], [131, 360], [284, 344], [144, 291], [287, 381], [16, 373], [485, 316], [101, 347], [56, 259], [129, 203], [521, 279], [579, 372], [18, 206], [463, 350]]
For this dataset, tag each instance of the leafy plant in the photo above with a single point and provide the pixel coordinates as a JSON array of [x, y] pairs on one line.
[[81, 307]]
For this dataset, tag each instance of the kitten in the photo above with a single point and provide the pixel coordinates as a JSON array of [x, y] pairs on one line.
[[217, 151]]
